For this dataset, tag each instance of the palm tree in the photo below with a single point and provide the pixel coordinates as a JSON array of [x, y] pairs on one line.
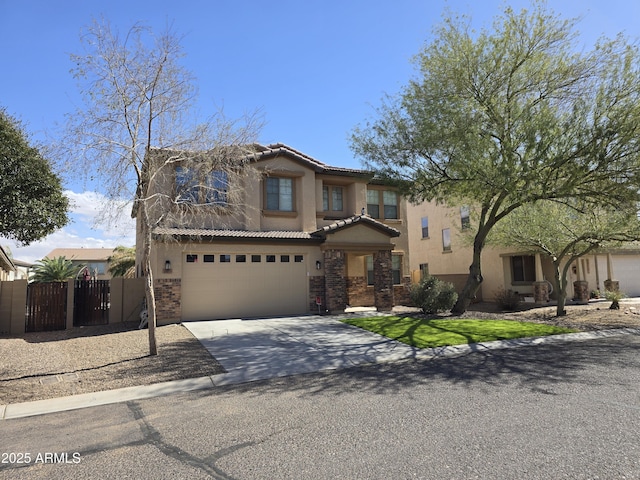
[[57, 269], [123, 262]]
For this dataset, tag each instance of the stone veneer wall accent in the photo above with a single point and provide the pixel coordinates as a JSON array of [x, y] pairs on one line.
[[316, 289], [335, 280], [382, 280], [359, 294], [401, 295], [168, 293]]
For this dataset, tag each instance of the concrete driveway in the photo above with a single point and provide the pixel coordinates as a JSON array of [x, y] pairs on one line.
[[257, 349]]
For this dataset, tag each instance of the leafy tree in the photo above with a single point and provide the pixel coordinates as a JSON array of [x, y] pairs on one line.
[[31, 201], [123, 262], [136, 128], [57, 269], [566, 233], [499, 119]]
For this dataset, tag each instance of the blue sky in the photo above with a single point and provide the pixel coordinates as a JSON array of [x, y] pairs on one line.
[[314, 69]]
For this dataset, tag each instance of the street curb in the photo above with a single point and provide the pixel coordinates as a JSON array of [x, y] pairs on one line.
[[84, 400]]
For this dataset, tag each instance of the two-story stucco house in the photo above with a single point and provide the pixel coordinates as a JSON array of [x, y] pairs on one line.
[[310, 237], [435, 237]]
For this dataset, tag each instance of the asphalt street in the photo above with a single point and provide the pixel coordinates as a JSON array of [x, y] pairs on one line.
[[548, 411]]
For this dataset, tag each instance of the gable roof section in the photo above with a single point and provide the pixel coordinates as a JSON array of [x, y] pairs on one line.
[[357, 219], [280, 149]]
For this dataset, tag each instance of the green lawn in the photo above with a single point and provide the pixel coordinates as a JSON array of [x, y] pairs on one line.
[[423, 333]]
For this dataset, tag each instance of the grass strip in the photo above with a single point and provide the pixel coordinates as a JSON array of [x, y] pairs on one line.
[[427, 333]]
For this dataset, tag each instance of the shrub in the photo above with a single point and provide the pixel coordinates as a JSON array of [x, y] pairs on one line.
[[507, 300], [433, 295], [614, 297]]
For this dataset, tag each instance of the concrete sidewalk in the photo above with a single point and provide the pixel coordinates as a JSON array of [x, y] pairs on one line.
[[259, 349]]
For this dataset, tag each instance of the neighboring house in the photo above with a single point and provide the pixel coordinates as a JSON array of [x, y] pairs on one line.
[[23, 270], [7, 266], [437, 246], [95, 259], [308, 234]]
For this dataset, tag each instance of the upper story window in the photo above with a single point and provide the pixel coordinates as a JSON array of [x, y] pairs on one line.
[[383, 202], [465, 219], [279, 194], [446, 240], [424, 223], [332, 199], [210, 190]]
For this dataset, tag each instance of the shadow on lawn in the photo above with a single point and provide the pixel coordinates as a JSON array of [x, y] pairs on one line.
[[538, 369]]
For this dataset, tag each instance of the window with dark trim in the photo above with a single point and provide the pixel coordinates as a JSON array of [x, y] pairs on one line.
[[192, 188], [241, 258], [332, 198], [271, 258], [424, 223], [256, 258], [465, 219], [279, 194], [396, 269], [224, 258], [192, 258], [370, 276], [523, 268], [383, 202], [284, 258], [298, 259], [446, 240], [208, 258]]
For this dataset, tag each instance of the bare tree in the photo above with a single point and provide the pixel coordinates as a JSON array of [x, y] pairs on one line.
[[136, 128]]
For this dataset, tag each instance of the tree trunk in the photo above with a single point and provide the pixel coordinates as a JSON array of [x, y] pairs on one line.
[[148, 272], [474, 280], [562, 291]]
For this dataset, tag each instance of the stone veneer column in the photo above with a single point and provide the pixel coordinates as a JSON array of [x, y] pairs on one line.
[[168, 292], [581, 291], [541, 292], [382, 280], [335, 280]]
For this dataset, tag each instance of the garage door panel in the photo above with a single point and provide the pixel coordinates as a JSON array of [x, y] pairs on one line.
[[625, 270], [243, 289]]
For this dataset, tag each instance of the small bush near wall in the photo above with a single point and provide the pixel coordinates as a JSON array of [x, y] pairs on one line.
[[507, 300], [433, 295]]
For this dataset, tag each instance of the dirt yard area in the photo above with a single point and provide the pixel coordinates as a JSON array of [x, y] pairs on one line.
[[43, 365]]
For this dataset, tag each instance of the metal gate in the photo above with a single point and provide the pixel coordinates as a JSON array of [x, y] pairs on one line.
[[46, 306], [91, 302]]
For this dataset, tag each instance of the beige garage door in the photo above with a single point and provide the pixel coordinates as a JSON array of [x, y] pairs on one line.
[[243, 285], [625, 270]]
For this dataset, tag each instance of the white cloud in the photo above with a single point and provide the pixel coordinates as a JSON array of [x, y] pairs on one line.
[[91, 227]]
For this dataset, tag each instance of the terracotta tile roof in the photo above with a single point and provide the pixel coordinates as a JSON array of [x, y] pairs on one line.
[[83, 254], [273, 150], [340, 224], [317, 235], [211, 233]]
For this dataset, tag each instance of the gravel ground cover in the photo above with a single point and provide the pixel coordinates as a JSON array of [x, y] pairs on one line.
[[44, 365]]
